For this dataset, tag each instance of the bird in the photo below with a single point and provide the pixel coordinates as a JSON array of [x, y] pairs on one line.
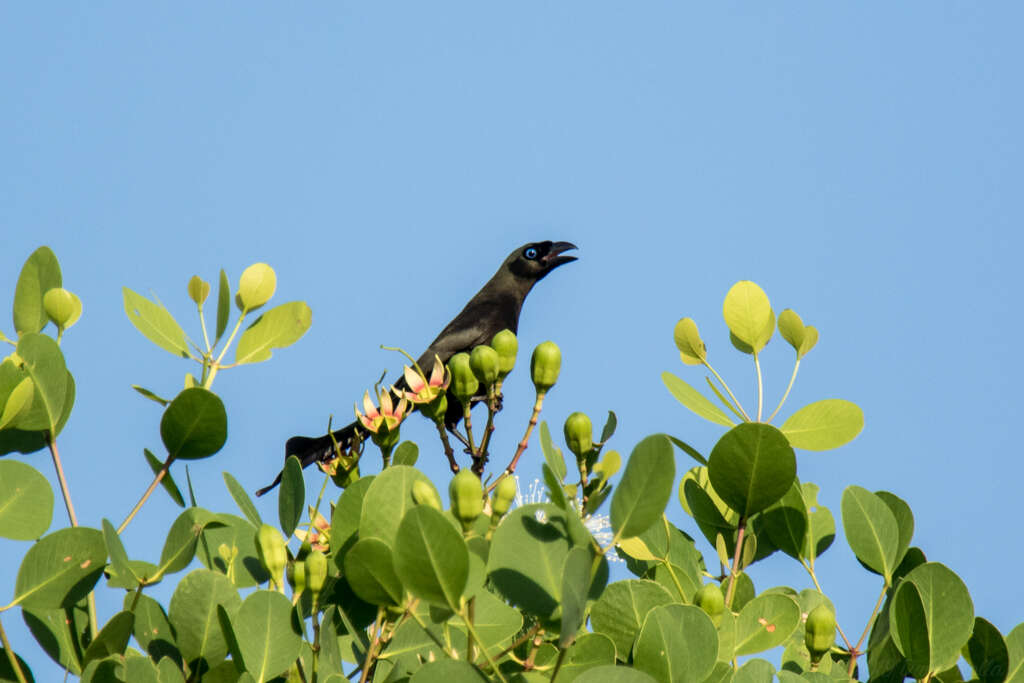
[[494, 308]]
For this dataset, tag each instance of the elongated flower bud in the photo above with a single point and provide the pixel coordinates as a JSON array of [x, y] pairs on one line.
[[579, 434], [272, 553], [424, 494], [504, 495], [819, 632], [467, 496], [507, 346], [710, 599], [316, 572], [484, 362], [464, 383], [545, 365]]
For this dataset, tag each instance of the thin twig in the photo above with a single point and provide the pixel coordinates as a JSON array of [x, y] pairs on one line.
[[11, 657], [734, 573], [145, 496], [760, 387], [727, 390], [372, 652], [448, 452], [855, 652], [792, 379]]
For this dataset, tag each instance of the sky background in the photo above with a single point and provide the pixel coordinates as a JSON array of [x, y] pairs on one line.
[[862, 162]]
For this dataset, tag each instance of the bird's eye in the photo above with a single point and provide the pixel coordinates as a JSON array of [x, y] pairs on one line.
[[530, 253]]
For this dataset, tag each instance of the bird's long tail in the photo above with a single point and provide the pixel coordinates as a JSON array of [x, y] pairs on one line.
[[314, 449]]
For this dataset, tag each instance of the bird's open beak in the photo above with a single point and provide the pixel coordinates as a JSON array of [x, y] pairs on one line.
[[555, 257]]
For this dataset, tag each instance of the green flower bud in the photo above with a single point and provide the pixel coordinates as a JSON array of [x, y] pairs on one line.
[[297, 576], [62, 307], [272, 552], [507, 346], [256, 286], [464, 383], [819, 631], [710, 599], [316, 572], [504, 494], [425, 494], [484, 362], [198, 290], [436, 409], [579, 434], [467, 496], [545, 365]]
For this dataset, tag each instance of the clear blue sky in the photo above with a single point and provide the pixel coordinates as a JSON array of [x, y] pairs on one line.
[[861, 161]]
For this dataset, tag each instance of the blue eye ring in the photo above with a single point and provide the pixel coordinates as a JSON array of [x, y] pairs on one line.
[[530, 253]]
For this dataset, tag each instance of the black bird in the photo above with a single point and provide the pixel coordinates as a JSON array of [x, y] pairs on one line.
[[494, 308]]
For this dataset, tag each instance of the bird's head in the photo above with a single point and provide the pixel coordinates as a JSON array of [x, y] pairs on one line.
[[535, 260]]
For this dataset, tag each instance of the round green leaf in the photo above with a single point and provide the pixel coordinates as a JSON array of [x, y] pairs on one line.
[[695, 401], [256, 286], [1015, 650], [821, 525], [195, 425], [575, 590], [646, 486], [589, 651], [180, 544], [614, 674], [986, 652], [824, 425], [112, 639], [193, 614], [931, 618], [60, 568], [904, 521], [785, 522], [370, 570], [292, 496], [267, 633], [18, 401], [622, 608], [59, 633], [26, 501], [751, 467], [871, 530], [676, 643], [40, 274], [431, 558], [386, 501], [765, 622], [7, 674], [238, 535], [278, 328], [792, 329], [748, 314], [44, 363], [691, 347], [755, 671], [345, 518]]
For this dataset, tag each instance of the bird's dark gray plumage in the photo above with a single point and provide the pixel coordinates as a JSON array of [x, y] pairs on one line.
[[494, 308]]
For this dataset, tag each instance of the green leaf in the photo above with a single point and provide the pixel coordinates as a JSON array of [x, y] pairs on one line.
[[448, 671], [238, 535], [689, 450], [345, 518], [609, 427], [751, 467], [821, 525], [267, 633], [786, 522], [195, 425], [676, 643], [180, 545], [528, 554], [791, 327], [695, 401], [748, 314], [614, 674], [152, 629], [931, 618], [223, 305], [60, 568], [386, 501], [26, 501], [645, 488], [119, 562], [44, 363], [7, 674], [766, 622], [1015, 650], [552, 456], [986, 652], [555, 492], [622, 608], [431, 558], [904, 521], [370, 570], [756, 671], [292, 496], [155, 323], [40, 274], [242, 499], [590, 650], [18, 401], [257, 284], [278, 328], [575, 588], [871, 530], [407, 453], [112, 639], [60, 633], [167, 481], [193, 614], [824, 425], [150, 395], [692, 350]]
